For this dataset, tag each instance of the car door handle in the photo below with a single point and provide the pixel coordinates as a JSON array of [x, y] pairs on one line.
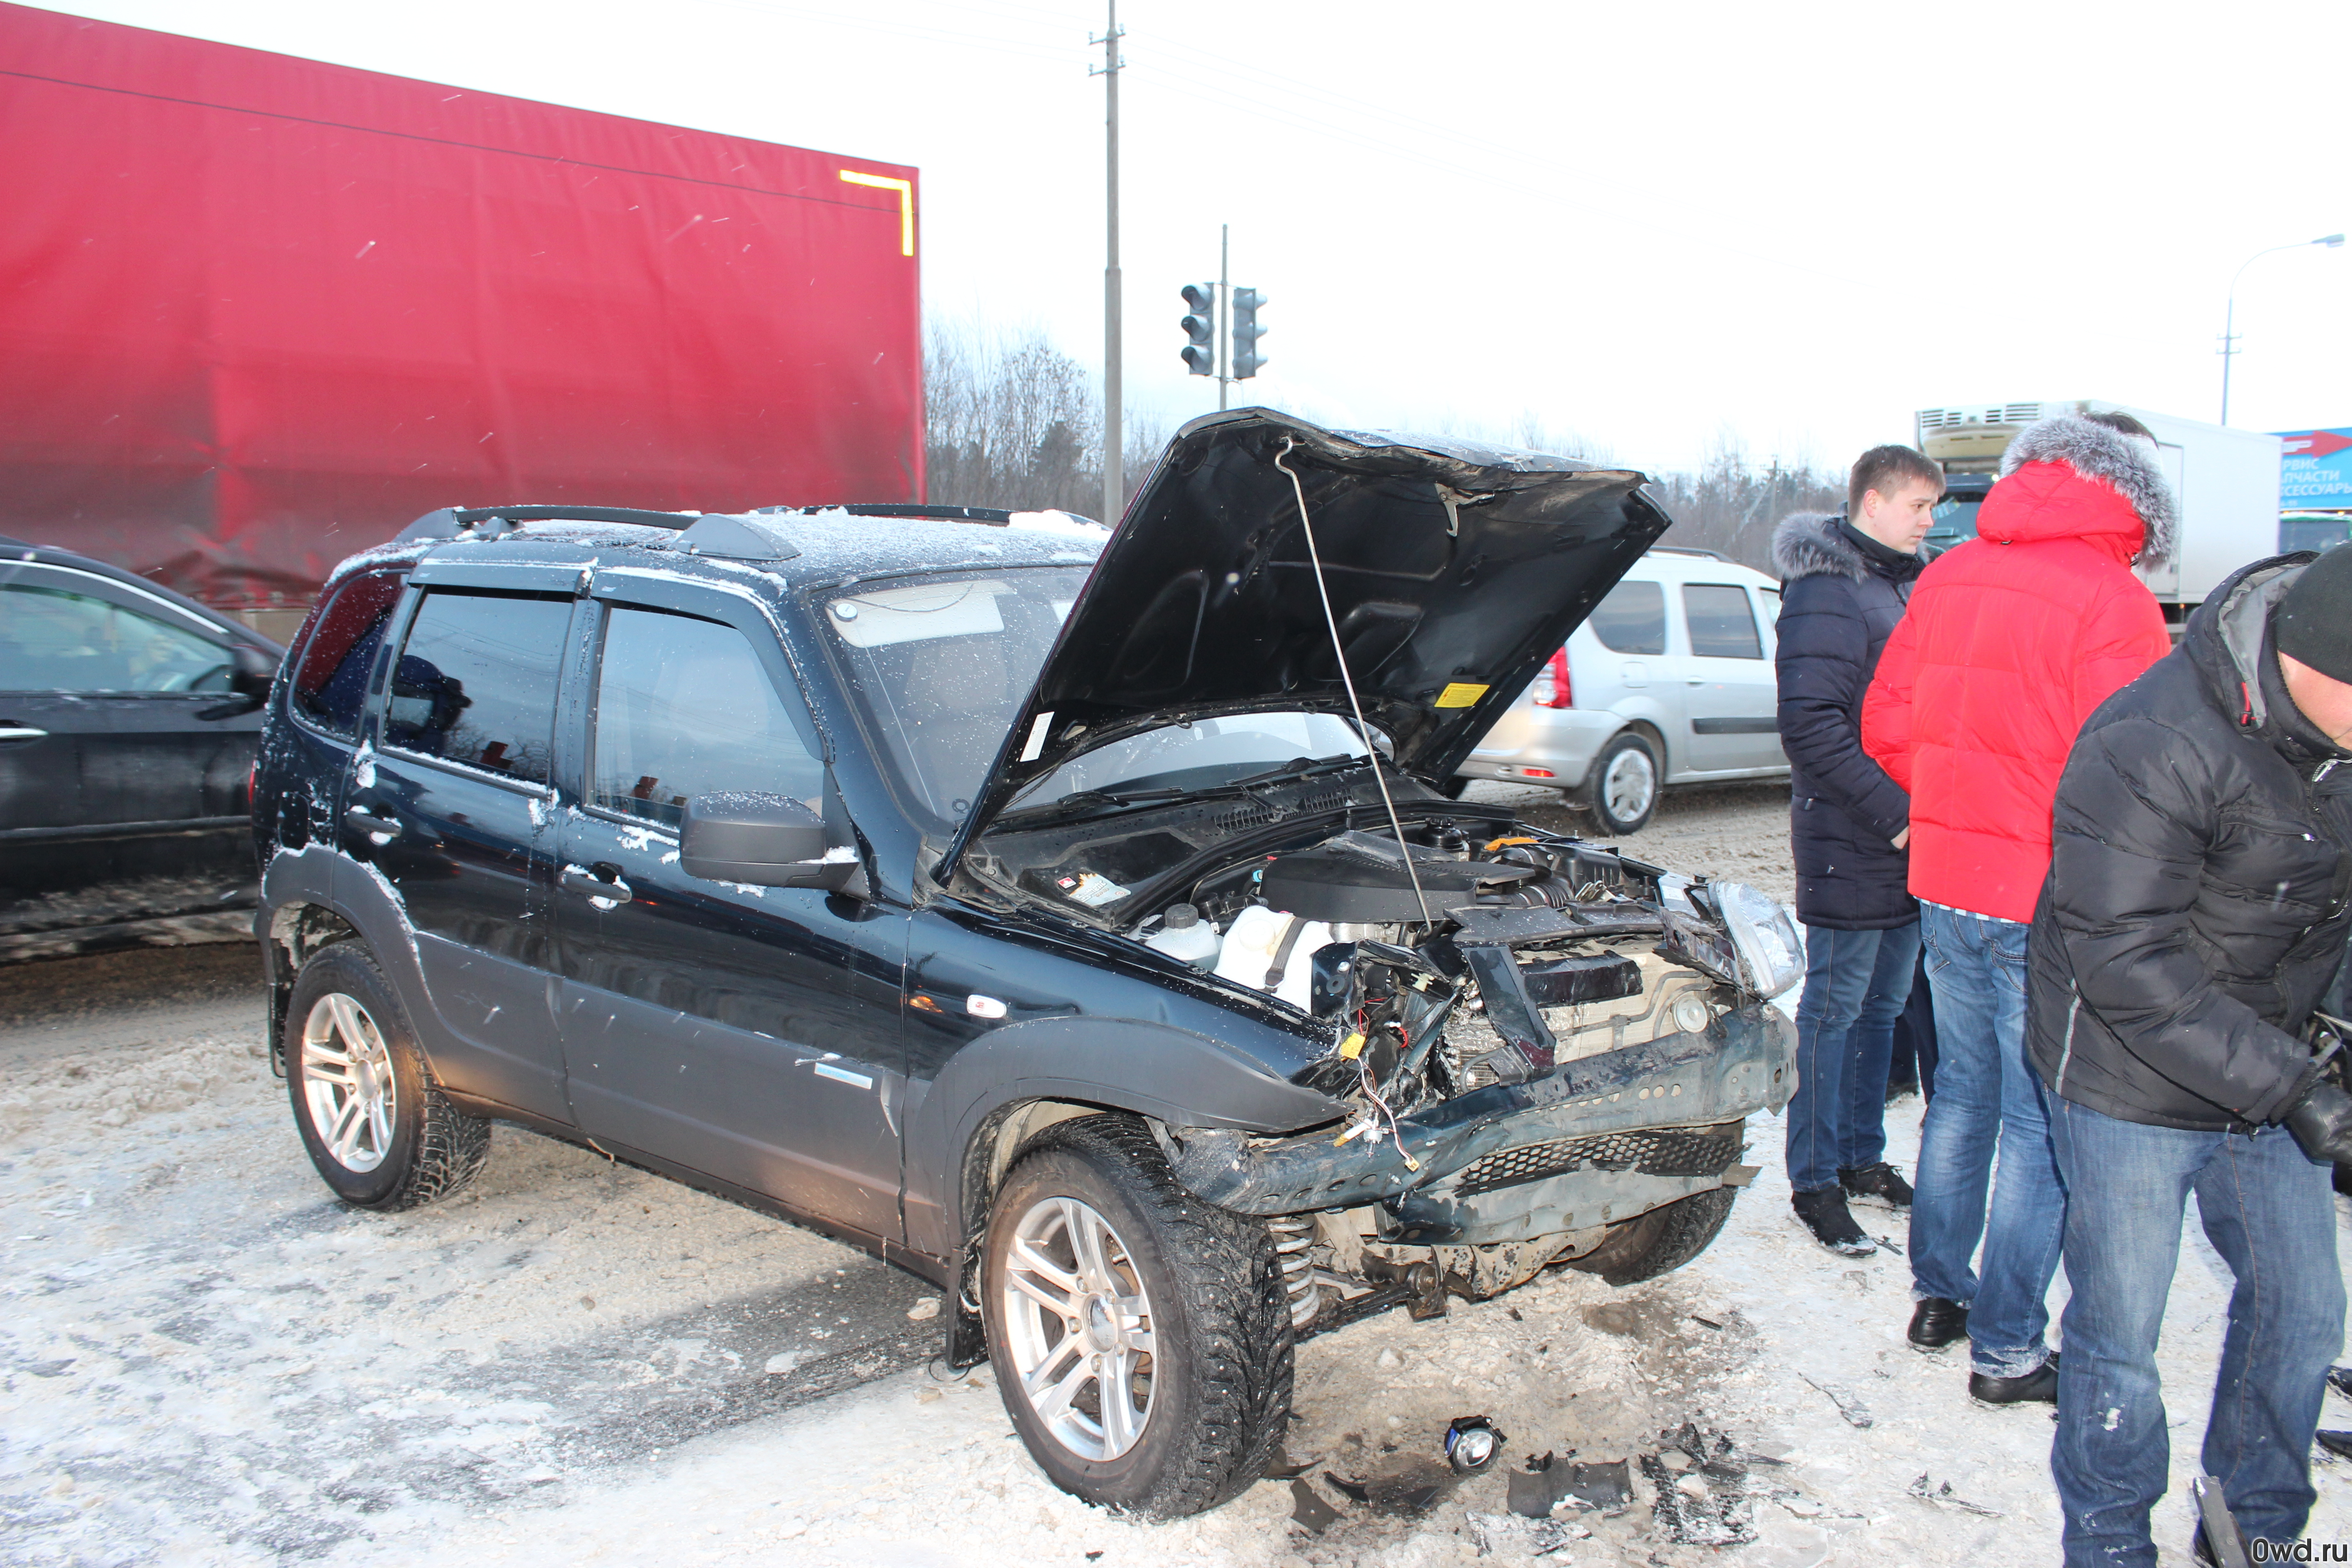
[[22, 732], [380, 829], [607, 891]]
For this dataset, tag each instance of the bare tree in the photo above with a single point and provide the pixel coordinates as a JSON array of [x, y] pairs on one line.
[[1732, 505]]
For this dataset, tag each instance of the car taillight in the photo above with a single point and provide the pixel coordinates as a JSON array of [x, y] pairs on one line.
[[1551, 685], [251, 773]]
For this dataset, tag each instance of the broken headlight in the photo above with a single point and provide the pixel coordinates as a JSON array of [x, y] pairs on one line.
[[1772, 955]]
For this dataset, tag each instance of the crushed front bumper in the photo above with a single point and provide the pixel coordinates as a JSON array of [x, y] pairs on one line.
[[1598, 1140]]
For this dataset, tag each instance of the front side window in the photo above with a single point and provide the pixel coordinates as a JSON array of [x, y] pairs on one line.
[[1632, 619], [55, 640], [941, 665], [475, 683], [331, 682], [684, 707], [1721, 624]]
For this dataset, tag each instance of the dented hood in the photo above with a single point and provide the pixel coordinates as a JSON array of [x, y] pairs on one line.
[[1454, 572]]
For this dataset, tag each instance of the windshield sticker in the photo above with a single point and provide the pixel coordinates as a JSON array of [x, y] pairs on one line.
[[1089, 888], [925, 613], [1460, 694]]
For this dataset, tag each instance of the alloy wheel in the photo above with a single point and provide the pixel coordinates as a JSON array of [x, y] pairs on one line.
[[1080, 1326], [348, 1082]]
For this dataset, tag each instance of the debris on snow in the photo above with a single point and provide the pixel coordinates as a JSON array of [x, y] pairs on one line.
[[1855, 1412], [1509, 1535], [1308, 1507], [1942, 1498]]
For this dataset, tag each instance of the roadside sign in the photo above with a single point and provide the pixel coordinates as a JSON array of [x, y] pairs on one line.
[[2316, 469]]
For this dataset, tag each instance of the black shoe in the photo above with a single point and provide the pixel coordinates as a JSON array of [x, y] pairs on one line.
[[1878, 1182], [1824, 1215], [2038, 1387], [1937, 1322]]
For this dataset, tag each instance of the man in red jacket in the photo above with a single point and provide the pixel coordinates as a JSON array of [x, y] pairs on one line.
[[2011, 641]]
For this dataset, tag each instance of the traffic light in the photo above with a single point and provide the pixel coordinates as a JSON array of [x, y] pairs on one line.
[[1201, 326], [1246, 332]]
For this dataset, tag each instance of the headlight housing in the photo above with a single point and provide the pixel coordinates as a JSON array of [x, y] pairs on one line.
[[1771, 954]]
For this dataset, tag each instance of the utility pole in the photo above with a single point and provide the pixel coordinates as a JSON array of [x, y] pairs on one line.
[[1114, 476], [2230, 313], [1224, 310]]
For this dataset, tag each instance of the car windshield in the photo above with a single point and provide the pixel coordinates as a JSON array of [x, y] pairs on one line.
[[941, 664], [1201, 754]]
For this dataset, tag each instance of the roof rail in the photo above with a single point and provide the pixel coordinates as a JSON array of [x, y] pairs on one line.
[[992, 516], [450, 522], [1687, 550]]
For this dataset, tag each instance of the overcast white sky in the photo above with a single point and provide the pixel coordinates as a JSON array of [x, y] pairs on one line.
[[1650, 223]]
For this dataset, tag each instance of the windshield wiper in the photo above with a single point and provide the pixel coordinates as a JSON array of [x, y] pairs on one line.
[[1298, 768], [1089, 799]]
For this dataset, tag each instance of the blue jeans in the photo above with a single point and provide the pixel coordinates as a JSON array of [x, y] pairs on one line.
[[1856, 985], [2270, 1213], [1986, 1096]]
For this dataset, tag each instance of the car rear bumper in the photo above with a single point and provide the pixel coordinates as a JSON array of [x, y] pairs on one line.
[[1552, 746], [1602, 1139]]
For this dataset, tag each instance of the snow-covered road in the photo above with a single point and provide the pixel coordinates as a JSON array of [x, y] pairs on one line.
[[203, 1360]]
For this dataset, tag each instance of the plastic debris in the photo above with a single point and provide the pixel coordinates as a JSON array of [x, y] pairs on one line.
[[2340, 1378], [1942, 1498], [1359, 1490], [1704, 1500], [2224, 1540], [1547, 1482], [1308, 1507], [2336, 1443], [1508, 1535], [1855, 1412]]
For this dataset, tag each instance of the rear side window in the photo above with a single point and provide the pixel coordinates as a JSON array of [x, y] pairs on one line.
[[1632, 618], [1721, 624], [330, 682], [684, 708], [53, 640], [475, 683]]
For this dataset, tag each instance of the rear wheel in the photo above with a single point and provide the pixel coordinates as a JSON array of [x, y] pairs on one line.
[[1141, 1338], [1660, 1241], [1622, 790], [376, 1125]]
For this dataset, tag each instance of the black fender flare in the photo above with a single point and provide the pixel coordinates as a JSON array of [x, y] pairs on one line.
[[1152, 1069]]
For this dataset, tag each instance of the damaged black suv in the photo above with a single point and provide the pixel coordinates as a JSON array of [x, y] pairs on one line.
[[1066, 915]]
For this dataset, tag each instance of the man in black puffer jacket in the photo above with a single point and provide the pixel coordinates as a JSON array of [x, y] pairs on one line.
[[2196, 911], [1844, 580]]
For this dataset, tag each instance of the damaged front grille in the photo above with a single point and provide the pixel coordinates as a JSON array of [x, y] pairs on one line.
[[1648, 1150]]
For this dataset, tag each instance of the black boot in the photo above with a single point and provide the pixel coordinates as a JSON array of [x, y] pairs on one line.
[[1878, 1183], [1825, 1216], [2038, 1387], [1937, 1322]]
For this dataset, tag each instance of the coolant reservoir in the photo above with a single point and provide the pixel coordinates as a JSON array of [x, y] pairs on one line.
[[1183, 934], [1269, 950]]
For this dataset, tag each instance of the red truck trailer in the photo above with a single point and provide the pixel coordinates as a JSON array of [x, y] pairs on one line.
[[260, 312]]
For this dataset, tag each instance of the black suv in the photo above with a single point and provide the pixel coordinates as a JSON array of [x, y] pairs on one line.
[[1065, 915]]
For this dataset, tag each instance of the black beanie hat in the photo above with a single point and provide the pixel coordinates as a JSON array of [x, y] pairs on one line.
[[2315, 619]]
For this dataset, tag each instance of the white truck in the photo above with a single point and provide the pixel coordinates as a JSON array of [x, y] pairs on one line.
[[2226, 480]]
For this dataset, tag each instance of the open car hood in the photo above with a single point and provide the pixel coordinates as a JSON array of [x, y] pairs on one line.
[[1453, 571]]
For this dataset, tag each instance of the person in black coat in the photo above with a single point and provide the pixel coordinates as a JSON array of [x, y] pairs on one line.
[[1845, 581], [2195, 914]]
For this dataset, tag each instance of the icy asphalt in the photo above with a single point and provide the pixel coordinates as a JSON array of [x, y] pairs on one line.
[[205, 1360]]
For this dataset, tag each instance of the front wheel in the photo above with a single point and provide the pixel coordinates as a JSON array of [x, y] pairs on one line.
[[1622, 789], [1660, 1240], [1141, 1338], [376, 1125]]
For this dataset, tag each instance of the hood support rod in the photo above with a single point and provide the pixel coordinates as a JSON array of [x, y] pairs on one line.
[[1339, 652]]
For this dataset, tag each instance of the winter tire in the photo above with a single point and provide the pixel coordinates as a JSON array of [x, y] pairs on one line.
[[1660, 1241], [1622, 789], [376, 1125], [1141, 1338]]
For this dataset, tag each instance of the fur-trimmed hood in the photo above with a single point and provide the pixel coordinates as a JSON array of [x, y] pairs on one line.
[[1812, 544], [2104, 460]]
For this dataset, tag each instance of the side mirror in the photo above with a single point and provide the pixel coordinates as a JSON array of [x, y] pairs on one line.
[[251, 672], [762, 841]]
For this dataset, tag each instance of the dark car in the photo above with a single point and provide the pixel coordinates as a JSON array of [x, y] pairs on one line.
[[129, 715], [1023, 902]]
